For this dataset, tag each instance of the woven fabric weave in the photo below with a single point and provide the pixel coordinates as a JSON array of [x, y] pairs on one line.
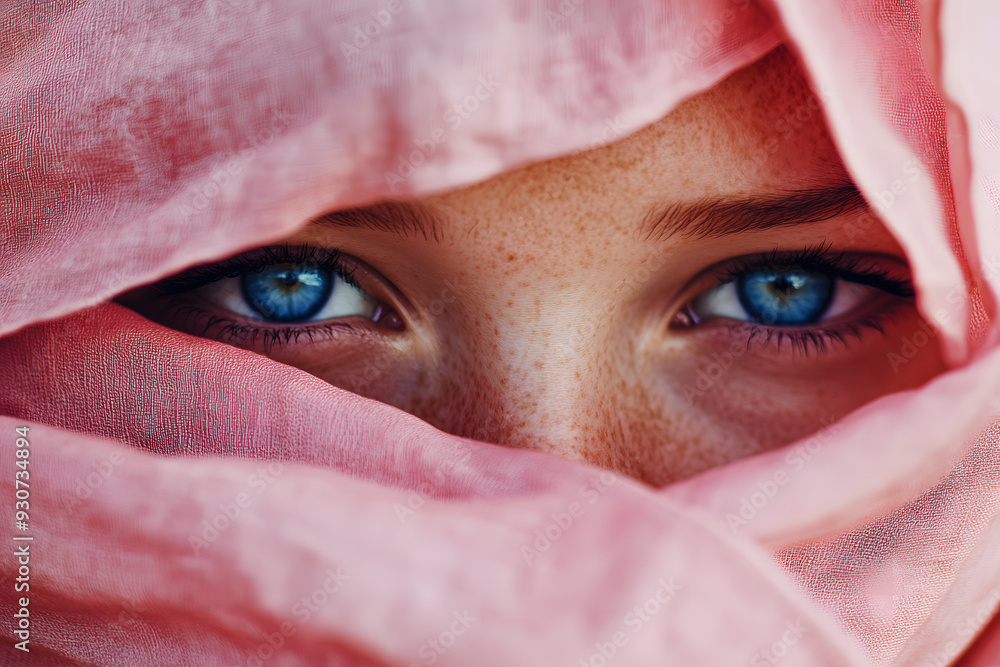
[[138, 139]]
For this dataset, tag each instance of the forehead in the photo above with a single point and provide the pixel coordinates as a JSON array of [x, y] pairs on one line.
[[759, 131]]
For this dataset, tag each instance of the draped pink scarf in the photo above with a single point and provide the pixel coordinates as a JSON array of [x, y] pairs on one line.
[[195, 504]]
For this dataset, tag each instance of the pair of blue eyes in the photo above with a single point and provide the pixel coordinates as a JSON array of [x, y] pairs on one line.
[[297, 293]]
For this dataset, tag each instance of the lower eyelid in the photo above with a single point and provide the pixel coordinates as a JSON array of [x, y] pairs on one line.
[[196, 320], [817, 338]]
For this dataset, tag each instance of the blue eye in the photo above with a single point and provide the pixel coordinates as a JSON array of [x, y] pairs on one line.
[[290, 293], [785, 298], [782, 297], [286, 292]]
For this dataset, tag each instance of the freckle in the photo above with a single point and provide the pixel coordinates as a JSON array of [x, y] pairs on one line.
[[511, 258], [510, 304]]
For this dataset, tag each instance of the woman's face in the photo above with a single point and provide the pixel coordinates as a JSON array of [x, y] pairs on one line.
[[708, 288]]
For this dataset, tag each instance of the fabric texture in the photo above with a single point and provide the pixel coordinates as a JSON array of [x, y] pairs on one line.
[[195, 504]]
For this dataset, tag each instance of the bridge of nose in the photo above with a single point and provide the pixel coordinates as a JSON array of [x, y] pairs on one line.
[[534, 368]]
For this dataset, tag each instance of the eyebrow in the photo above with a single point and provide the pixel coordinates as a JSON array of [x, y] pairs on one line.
[[703, 219], [407, 218], [717, 217]]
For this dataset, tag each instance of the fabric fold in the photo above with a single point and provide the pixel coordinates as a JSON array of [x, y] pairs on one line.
[[193, 503], [228, 591]]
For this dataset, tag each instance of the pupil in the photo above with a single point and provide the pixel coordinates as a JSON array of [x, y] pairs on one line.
[[288, 280], [785, 287]]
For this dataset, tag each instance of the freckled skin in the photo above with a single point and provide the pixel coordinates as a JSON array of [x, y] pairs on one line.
[[558, 335]]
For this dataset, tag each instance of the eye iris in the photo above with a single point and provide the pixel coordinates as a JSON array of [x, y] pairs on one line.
[[287, 292], [789, 297]]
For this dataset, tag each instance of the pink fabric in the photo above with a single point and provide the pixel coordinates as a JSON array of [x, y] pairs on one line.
[[138, 139]]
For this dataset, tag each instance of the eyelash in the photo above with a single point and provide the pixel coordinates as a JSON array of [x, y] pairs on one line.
[[841, 265], [818, 338], [821, 258], [233, 332], [256, 261]]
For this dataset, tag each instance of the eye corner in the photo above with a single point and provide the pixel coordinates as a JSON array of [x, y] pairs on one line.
[[684, 319]]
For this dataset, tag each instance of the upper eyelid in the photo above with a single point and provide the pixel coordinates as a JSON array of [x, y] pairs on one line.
[[874, 269], [231, 267]]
